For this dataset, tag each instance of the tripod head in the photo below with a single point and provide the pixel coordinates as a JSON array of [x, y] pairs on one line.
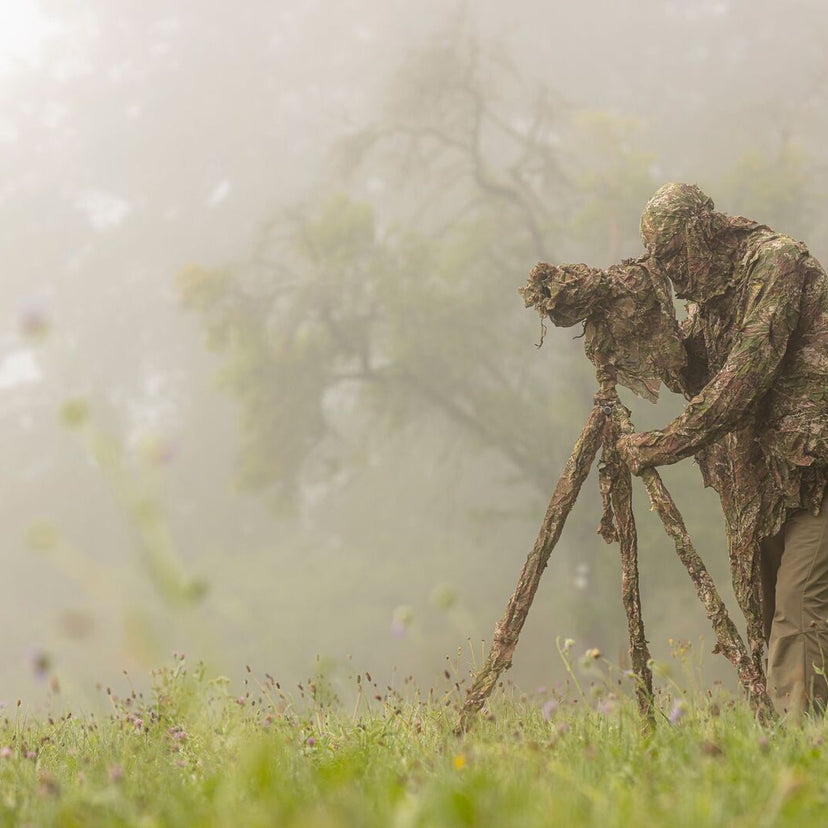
[[628, 317]]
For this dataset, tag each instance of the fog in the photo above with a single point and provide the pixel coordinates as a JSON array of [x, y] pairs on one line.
[[268, 395]]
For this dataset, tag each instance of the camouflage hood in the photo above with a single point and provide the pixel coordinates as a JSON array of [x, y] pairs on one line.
[[628, 316], [691, 241]]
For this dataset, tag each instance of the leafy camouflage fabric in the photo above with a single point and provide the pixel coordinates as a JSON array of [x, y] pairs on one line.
[[679, 227], [756, 338], [628, 317], [753, 361], [757, 344]]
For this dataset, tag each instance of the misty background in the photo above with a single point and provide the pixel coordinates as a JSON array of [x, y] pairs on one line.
[[268, 394]]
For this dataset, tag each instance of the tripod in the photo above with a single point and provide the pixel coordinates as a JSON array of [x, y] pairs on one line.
[[607, 421]]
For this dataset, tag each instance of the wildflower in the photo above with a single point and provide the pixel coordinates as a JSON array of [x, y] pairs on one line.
[[5, 752], [607, 705], [549, 709], [679, 711], [34, 319], [581, 579], [444, 597], [116, 773], [74, 413], [763, 743], [401, 620], [310, 741], [40, 662], [589, 662], [153, 447], [458, 762], [240, 701]]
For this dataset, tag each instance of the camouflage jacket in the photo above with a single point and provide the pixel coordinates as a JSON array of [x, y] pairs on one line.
[[754, 366], [757, 378]]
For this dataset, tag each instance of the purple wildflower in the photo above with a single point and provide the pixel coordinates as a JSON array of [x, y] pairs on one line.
[[678, 712], [34, 319], [549, 708]]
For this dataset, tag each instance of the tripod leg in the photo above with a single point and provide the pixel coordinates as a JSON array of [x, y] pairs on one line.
[[729, 642], [742, 515], [747, 587], [620, 493], [508, 629]]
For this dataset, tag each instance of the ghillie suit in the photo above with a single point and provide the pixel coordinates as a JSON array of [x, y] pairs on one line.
[[756, 375], [757, 421]]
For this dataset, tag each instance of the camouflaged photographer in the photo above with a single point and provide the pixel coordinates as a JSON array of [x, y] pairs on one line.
[[752, 359]]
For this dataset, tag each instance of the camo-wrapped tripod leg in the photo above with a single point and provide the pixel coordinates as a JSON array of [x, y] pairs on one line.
[[728, 641], [618, 524], [508, 629]]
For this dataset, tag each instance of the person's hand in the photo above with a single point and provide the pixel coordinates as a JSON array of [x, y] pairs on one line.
[[633, 451]]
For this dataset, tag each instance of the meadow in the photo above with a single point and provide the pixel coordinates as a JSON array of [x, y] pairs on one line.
[[193, 751]]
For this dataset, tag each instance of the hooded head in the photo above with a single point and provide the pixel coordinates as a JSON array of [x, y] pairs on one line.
[[687, 238]]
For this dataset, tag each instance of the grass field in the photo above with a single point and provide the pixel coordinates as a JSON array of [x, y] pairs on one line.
[[193, 753]]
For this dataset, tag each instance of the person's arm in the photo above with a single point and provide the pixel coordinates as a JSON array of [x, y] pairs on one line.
[[772, 314]]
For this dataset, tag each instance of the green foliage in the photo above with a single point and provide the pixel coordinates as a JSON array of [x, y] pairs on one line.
[[132, 486], [131, 474], [364, 312], [191, 752], [74, 413], [778, 189], [615, 181]]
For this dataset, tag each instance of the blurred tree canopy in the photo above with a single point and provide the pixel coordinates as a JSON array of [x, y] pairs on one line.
[[390, 297]]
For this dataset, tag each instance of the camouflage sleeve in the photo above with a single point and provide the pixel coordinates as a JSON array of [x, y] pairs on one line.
[[772, 312]]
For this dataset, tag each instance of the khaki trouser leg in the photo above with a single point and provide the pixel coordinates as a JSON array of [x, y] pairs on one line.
[[798, 633]]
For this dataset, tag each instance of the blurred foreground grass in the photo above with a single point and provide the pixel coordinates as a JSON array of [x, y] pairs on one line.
[[191, 752]]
